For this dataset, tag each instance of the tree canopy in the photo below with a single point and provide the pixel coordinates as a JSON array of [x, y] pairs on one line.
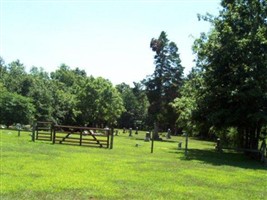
[[66, 96], [233, 58]]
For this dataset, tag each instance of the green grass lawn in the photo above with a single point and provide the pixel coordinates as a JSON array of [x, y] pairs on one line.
[[41, 170]]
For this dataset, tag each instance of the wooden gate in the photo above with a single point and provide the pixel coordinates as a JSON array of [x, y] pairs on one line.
[[82, 136], [43, 131]]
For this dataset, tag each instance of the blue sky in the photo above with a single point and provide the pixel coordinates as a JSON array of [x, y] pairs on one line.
[[108, 38]]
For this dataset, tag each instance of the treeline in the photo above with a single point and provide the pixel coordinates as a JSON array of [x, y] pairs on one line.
[[70, 96], [224, 95], [65, 96]]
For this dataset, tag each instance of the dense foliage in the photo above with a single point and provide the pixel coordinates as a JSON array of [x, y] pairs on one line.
[[15, 108], [65, 96], [136, 105], [186, 105], [232, 59]]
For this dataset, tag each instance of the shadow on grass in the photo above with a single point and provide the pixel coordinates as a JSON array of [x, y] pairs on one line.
[[228, 158], [163, 140]]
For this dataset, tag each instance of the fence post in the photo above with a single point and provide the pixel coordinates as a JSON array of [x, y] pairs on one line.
[[37, 130], [51, 131], [112, 138], [186, 145], [108, 139], [54, 135], [33, 131], [152, 141], [81, 137]]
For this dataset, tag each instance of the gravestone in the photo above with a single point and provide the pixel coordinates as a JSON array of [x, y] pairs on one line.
[[130, 132], [180, 145], [136, 131], [147, 138], [168, 135], [218, 146], [18, 127]]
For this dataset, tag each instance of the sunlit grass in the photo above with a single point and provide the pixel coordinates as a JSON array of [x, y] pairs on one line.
[[40, 170]]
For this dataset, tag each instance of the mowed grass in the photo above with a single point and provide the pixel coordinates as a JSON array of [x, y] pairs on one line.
[[41, 170]]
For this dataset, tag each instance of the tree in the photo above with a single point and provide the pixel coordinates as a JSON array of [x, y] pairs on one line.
[[135, 103], [15, 108], [3, 69], [143, 105], [186, 105], [66, 86], [15, 79], [39, 72], [233, 57], [130, 103], [71, 78], [162, 87], [64, 104], [41, 94], [99, 102]]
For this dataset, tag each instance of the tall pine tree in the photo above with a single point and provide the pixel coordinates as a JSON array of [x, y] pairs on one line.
[[162, 87]]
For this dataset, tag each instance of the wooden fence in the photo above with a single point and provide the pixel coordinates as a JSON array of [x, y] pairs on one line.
[[73, 135], [82, 136]]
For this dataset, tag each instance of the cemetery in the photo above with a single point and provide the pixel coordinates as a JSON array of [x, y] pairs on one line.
[[195, 127]]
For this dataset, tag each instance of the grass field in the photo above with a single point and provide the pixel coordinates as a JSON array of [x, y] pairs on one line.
[[41, 170]]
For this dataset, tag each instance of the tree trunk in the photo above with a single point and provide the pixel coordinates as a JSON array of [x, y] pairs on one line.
[[246, 134], [255, 134], [156, 131], [240, 139], [248, 138]]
